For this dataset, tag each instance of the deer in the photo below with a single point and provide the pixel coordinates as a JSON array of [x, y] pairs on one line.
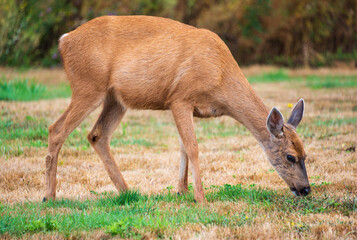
[[154, 63]]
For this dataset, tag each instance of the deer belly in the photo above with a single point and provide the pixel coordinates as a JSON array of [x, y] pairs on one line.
[[143, 97]]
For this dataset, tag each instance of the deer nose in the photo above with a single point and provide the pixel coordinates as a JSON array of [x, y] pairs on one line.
[[305, 191]]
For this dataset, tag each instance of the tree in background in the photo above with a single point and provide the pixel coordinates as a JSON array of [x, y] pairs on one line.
[[283, 32], [29, 30], [290, 33]]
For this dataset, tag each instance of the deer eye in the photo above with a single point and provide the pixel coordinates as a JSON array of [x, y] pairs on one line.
[[290, 158]]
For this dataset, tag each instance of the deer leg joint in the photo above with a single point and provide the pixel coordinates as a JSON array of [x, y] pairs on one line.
[[93, 138]]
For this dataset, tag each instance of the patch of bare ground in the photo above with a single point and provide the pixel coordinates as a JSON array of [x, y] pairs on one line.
[[225, 159]]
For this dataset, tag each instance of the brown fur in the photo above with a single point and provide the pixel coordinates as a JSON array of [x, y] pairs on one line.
[[298, 147], [142, 62]]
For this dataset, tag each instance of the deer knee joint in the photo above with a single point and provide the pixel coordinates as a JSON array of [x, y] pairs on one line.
[[93, 138]]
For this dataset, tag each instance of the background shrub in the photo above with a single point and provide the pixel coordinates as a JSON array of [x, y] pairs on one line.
[[287, 33]]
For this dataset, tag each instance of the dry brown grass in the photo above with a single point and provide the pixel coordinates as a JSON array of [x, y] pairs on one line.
[[232, 159], [259, 69], [47, 76]]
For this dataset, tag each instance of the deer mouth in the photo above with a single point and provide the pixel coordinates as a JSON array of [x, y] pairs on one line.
[[295, 192], [301, 192]]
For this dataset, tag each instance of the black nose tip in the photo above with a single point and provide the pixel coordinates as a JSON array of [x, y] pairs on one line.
[[305, 191]]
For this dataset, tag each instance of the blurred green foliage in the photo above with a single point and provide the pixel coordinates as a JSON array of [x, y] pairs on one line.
[[29, 31], [286, 33]]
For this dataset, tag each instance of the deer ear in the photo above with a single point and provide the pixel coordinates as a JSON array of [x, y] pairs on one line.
[[275, 122], [297, 113]]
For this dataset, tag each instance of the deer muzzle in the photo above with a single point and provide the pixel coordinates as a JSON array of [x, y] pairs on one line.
[[301, 192]]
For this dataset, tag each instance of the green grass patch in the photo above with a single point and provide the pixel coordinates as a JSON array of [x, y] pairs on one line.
[[311, 81], [17, 136], [136, 215], [322, 128], [116, 142], [30, 129], [335, 122], [318, 82], [274, 76], [127, 215], [59, 91], [18, 89], [211, 128]]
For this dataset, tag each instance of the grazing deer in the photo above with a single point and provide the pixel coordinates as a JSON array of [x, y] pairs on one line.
[[143, 62]]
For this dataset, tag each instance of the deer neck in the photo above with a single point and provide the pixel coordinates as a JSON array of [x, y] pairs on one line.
[[247, 108]]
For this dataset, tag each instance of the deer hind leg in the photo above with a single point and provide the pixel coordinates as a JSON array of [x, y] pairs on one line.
[[78, 109], [183, 115], [183, 184], [100, 136]]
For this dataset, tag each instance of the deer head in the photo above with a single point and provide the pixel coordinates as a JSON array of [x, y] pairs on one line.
[[285, 150]]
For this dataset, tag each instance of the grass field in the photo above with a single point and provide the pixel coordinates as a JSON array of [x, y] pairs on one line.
[[246, 197]]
